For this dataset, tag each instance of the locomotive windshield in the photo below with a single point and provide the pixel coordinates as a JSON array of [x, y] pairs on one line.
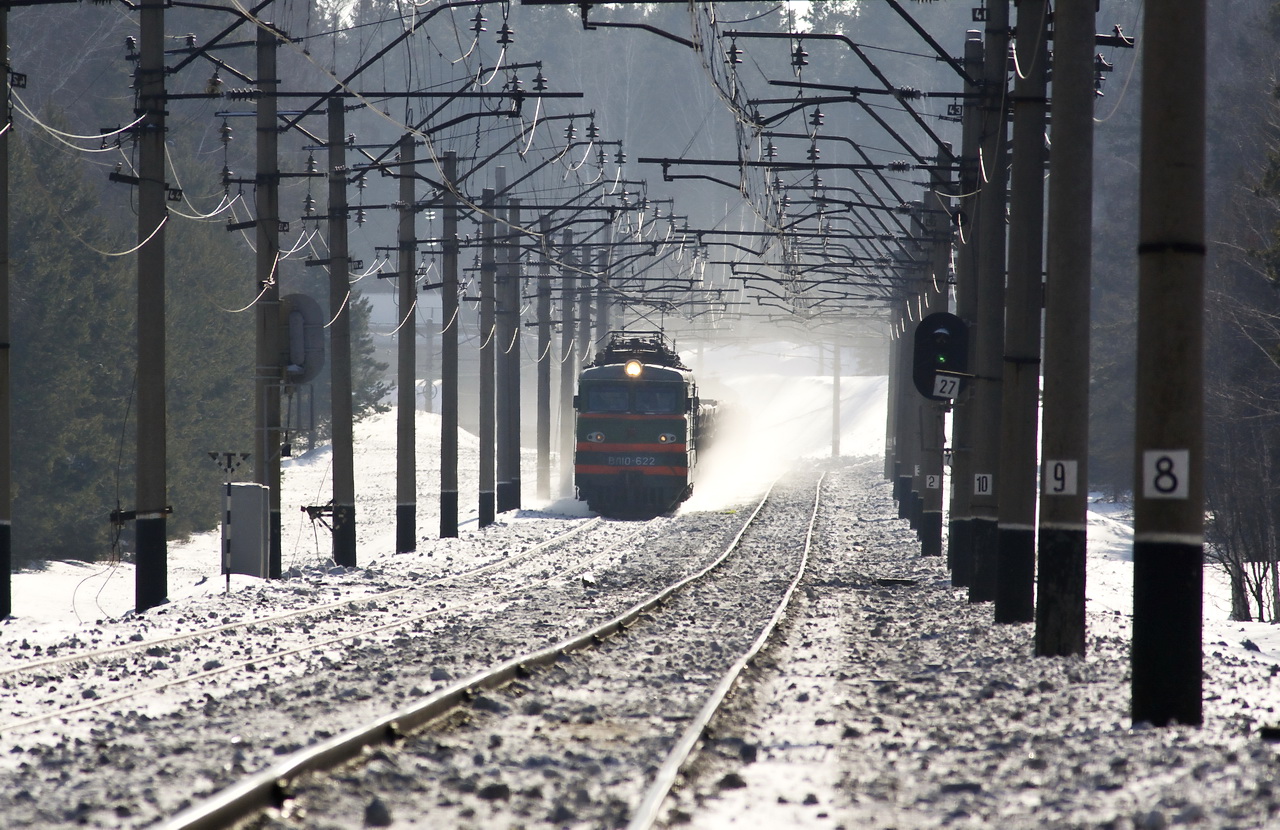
[[646, 399], [612, 397], [658, 401]]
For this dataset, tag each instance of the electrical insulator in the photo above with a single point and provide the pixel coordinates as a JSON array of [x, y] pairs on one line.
[[309, 205], [817, 117], [311, 163], [814, 152], [593, 132], [477, 23], [540, 82], [569, 132], [359, 216], [214, 85], [191, 40], [225, 132], [619, 158], [800, 57], [733, 55], [505, 35]]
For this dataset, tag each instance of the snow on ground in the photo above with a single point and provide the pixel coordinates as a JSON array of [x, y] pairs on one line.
[[779, 417]]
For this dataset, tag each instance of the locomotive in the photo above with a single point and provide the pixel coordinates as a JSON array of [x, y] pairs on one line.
[[640, 427]]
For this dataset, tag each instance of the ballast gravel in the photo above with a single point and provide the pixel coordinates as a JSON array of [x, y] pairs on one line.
[[886, 700]]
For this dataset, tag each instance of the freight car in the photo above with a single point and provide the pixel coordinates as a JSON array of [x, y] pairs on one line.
[[640, 427]]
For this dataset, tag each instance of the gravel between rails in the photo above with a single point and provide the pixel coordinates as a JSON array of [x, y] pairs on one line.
[[578, 744], [127, 766]]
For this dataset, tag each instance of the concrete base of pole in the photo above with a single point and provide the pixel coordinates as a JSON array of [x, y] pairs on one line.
[[449, 514], [902, 494], [6, 562], [931, 533], [1016, 576], [1167, 629], [151, 575], [1060, 617], [982, 587], [487, 514], [960, 552], [275, 567], [506, 497], [344, 535], [406, 527]]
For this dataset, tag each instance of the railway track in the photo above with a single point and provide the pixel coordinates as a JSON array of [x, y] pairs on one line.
[[104, 677], [641, 700]]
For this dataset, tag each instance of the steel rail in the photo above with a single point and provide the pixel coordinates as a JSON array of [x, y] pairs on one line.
[[312, 645], [300, 612], [646, 814], [270, 788]]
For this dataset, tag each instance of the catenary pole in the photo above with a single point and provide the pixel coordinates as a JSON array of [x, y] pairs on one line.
[[543, 426], [568, 361], [1060, 601], [449, 352], [6, 448], [406, 356], [1168, 516], [1020, 394], [151, 576], [488, 340], [987, 342], [835, 397], [268, 373], [513, 346], [937, 224], [960, 518], [344, 477]]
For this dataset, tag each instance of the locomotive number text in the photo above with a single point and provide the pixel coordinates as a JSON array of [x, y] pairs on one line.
[[632, 461]]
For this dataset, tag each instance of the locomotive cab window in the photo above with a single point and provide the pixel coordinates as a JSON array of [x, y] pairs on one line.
[[655, 400], [607, 398]]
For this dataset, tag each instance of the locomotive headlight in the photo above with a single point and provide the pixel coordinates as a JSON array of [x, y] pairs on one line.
[[633, 368], [667, 438], [595, 437]]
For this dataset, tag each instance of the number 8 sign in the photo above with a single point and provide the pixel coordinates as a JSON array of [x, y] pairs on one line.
[[1165, 474]]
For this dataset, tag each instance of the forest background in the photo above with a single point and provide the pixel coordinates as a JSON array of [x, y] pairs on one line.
[[73, 337]]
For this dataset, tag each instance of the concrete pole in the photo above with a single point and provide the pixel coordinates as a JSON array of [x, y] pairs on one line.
[[406, 357], [6, 395], [960, 528], [151, 575], [1168, 515], [508, 359], [568, 363], [488, 341], [987, 342], [937, 223], [1060, 604], [515, 303], [835, 399], [543, 483], [585, 352], [344, 476], [1024, 295], [269, 373], [449, 353]]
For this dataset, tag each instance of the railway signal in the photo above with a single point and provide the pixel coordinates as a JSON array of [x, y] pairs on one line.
[[941, 357]]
